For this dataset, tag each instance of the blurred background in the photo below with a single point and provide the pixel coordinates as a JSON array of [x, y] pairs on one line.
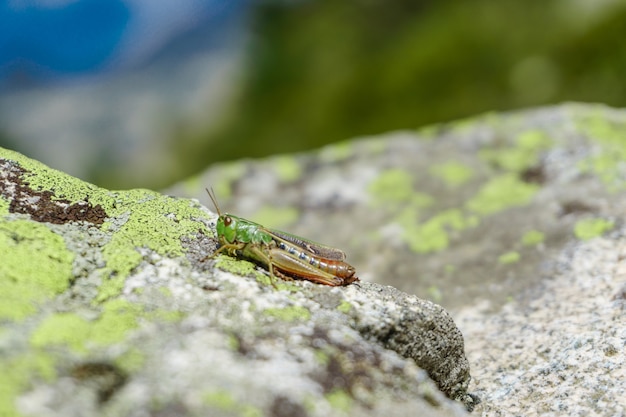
[[143, 93]]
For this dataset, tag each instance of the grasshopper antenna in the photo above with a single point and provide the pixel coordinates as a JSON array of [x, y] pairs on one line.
[[214, 200]]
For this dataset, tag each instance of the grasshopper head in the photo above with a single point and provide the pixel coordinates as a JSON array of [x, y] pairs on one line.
[[226, 229], [226, 226]]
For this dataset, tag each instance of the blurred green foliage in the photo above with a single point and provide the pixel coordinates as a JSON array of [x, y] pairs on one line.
[[326, 70]]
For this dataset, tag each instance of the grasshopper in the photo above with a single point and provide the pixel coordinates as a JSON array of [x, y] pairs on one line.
[[283, 254]]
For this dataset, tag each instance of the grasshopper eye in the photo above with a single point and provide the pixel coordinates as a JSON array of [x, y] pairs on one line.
[[227, 221]]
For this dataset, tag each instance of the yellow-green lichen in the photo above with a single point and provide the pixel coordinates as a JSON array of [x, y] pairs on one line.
[[41, 177], [229, 173], [321, 357], [66, 329], [392, 186], [452, 173], [510, 257], [340, 400], [233, 342], [523, 154], [501, 193], [141, 219], [4, 206], [589, 228], [336, 152], [607, 161], [117, 319], [287, 168], [131, 360], [36, 265], [245, 268], [17, 372], [433, 234], [532, 238], [434, 293], [238, 266], [153, 221], [344, 307], [224, 401], [291, 313]]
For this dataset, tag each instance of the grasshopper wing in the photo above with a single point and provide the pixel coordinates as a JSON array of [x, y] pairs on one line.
[[315, 248]]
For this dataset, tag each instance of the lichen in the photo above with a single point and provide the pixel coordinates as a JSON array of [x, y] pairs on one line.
[[392, 186], [532, 238], [433, 234], [500, 193], [289, 314], [453, 174], [224, 401], [589, 228], [523, 154], [287, 168], [510, 257], [17, 372], [117, 319], [340, 400], [607, 162], [344, 307], [36, 266], [153, 221]]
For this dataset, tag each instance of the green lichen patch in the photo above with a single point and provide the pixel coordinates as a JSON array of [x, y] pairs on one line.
[[224, 401], [337, 152], [607, 161], [434, 234], [392, 186], [289, 314], [152, 221], [135, 219], [523, 154], [510, 257], [237, 266], [36, 266], [17, 373], [42, 178], [453, 174], [4, 206], [117, 319], [287, 168], [340, 400], [131, 360], [501, 193], [589, 228], [344, 307], [533, 238]]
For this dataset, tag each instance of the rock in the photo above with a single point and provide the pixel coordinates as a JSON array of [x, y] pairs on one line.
[[512, 222], [559, 349], [110, 305]]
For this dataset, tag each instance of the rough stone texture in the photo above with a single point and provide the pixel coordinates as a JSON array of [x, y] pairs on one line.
[[559, 350], [454, 213], [513, 222], [110, 305]]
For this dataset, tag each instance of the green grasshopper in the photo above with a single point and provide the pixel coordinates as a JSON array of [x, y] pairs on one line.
[[283, 254]]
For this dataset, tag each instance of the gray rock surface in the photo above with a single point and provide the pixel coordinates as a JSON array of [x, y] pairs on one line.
[[560, 349], [514, 223], [111, 305]]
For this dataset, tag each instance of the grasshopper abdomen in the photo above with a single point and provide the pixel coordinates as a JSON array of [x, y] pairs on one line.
[[339, 269]]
